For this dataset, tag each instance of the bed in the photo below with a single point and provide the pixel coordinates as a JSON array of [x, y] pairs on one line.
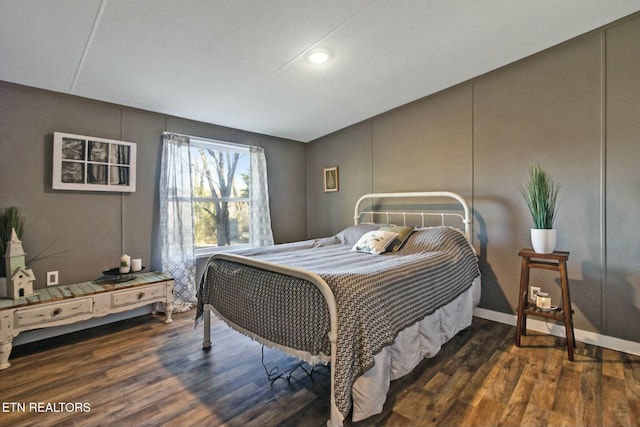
[[372, 313]]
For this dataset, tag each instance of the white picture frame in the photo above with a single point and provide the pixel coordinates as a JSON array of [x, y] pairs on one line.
[[330, 179], [88, 163]]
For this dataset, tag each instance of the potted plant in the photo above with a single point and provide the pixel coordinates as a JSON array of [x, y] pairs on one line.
[[541, 193]]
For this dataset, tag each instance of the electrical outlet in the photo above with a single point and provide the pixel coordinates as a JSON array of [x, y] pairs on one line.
[[533, 290], [52, 278]]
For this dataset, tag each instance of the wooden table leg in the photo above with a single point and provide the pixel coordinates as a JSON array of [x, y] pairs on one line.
[[521, 327], [5, 351], [566, 308]]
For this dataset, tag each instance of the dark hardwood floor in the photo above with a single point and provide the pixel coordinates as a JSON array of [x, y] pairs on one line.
[[141, 372]]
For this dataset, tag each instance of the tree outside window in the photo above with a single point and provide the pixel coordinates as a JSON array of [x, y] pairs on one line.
[[221, 205]]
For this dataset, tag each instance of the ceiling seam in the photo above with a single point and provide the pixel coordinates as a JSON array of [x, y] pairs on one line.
[[297, 56], [85, 51], [332, 31]]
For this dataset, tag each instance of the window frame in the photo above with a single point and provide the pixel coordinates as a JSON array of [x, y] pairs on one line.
[[196, 142], [82, 181]]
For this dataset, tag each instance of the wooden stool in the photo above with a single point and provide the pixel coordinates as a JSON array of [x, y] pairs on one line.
[[556, 261]]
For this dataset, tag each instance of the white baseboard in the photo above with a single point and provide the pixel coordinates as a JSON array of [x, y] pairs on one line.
[[557, 330], [554, 329]]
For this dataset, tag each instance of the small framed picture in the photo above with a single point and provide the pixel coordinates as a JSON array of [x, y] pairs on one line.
[[330, 179]]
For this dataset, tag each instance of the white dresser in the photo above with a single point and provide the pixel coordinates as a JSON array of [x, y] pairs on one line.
[[66, 304]]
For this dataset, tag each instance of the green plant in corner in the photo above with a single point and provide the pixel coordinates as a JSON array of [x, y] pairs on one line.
[[541, 193], [10, 218]]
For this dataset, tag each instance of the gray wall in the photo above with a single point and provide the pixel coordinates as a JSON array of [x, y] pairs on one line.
[[575, 109], [80, 233]]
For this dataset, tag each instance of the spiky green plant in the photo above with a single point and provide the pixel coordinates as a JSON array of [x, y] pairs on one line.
[[10, 218], [541, 193]]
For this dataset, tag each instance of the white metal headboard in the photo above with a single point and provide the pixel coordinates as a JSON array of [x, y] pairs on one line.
[[466, 219]]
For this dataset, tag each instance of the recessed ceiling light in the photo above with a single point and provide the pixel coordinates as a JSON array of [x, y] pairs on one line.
[[318, 56]]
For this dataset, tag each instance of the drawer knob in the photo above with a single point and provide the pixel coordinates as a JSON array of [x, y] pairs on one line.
[[141, 295], [56, 311]]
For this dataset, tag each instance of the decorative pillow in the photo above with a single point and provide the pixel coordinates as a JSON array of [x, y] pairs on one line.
[[350, 235], [403, 234], [374, 242]]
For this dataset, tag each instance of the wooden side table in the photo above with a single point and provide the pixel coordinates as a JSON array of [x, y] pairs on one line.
[[556, 261]]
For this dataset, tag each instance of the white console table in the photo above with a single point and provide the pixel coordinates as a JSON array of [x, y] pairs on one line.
[[66, 304]]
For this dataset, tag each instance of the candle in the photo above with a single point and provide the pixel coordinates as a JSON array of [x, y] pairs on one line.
[[543, 301], [125, 263], [136, 264]]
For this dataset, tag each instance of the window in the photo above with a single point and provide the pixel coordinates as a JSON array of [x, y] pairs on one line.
[[220, 175]]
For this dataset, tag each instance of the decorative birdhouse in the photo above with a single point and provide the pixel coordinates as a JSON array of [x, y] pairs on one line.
[[21, 283], [19, 278]]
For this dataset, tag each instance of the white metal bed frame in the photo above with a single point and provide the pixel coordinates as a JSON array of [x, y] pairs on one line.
[[336, 419], [466, 218]]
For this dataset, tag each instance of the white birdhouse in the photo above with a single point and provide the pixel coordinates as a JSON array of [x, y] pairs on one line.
[[19, 278], [20, 284]]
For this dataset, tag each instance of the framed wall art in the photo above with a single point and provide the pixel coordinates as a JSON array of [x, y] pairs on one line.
[[330, 179], [93, 164]]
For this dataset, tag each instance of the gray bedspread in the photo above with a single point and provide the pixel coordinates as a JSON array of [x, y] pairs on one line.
[[377, 295]]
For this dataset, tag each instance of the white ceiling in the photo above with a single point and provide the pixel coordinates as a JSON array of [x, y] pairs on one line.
[[240, 63]]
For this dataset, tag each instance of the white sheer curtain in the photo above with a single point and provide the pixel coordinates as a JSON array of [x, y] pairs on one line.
[[176, 219], [261, 234], [176, 214]]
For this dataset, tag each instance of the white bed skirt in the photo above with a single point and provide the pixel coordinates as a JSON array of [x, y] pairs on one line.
[[421, 340]]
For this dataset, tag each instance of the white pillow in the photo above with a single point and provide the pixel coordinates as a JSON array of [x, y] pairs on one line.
[[374, 242]]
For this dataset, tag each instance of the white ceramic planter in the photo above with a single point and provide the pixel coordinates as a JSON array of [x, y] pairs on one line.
[[543, 241]]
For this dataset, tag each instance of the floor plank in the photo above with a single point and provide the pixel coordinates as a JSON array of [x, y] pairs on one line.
[[145, 373]]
